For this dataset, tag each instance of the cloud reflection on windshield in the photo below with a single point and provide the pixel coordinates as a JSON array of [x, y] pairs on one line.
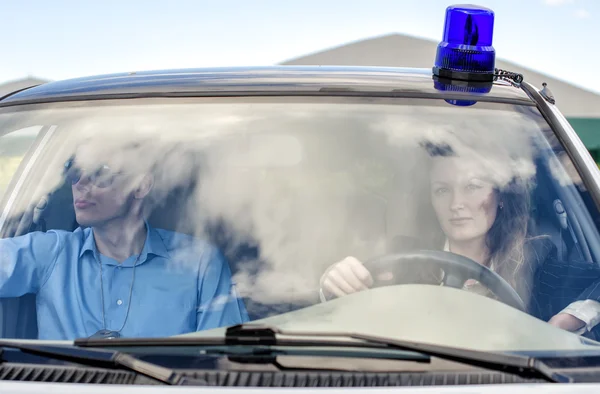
[[303, 185]]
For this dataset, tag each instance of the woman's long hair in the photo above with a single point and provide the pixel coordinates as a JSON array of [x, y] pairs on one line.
[[508, 234]]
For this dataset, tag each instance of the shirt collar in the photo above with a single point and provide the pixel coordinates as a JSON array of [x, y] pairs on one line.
[[154, 244], [446, 246]]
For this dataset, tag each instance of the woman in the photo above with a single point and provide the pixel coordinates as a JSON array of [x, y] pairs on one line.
[[486, 222]]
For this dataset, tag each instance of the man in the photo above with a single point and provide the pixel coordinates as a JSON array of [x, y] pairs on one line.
[[116, 275]]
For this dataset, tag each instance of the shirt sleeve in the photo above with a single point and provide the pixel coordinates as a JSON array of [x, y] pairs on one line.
[[587, 311], [26, 262], [219, 303]]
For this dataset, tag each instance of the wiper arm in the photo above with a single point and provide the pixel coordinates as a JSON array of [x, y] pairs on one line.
[[524, 366], [99, 358], [254, 335]]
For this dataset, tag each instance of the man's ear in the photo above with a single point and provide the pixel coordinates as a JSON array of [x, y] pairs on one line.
[[144, 187]]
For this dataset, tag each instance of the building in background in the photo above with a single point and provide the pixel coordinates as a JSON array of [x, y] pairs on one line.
[[580, 106]]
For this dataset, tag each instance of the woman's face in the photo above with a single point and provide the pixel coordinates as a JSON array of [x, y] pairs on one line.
[[464, 201]]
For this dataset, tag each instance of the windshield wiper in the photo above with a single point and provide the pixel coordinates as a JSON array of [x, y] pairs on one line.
[[515, 364], [259, 335], [98, 358]]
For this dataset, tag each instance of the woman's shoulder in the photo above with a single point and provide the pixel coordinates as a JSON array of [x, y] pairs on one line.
[[539, 249]]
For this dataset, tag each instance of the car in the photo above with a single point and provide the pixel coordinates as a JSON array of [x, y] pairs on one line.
[[309, 227]]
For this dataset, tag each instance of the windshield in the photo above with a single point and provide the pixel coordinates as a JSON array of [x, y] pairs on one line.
[[408, 218]]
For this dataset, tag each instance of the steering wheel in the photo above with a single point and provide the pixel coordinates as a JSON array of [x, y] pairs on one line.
[[388, 270]]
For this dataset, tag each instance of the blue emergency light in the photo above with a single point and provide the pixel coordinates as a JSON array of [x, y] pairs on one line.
[[466, 52], [465, 59]]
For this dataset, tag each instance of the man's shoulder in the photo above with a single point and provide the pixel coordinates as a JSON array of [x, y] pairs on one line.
[[78, 235], [51, 241]]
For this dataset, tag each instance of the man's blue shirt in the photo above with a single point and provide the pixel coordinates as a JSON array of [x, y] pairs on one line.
[[182, 284]]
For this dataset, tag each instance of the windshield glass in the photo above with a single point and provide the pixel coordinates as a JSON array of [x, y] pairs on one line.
[[412, 219]]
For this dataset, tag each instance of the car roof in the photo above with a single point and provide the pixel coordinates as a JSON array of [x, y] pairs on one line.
[[275, 80]]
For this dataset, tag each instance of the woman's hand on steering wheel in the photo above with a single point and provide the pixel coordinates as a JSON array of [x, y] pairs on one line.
[[346, 277], [350, 275]]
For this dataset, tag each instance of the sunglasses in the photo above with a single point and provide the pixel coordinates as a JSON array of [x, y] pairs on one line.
[[102, 176]]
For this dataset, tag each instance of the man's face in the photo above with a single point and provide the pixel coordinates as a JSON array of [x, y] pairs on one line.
[[101, 191]]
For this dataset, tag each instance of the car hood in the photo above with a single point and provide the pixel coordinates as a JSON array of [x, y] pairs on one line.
[[429, 314], [422, 313]]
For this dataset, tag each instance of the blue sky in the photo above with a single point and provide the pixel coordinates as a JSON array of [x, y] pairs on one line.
[[69, 38]]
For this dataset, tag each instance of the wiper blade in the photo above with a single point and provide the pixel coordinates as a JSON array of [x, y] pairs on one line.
[[99, 358], [515, 364], [255, 335]]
